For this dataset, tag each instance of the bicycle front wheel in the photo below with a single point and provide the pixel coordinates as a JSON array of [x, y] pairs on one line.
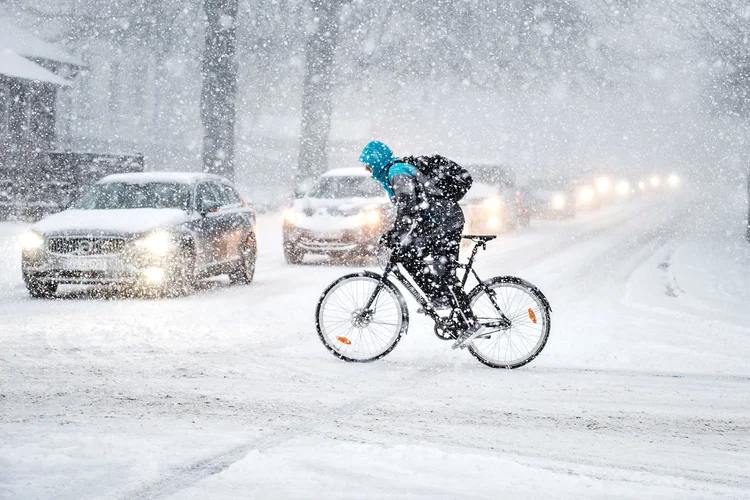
[[517, 317], [355, 333]]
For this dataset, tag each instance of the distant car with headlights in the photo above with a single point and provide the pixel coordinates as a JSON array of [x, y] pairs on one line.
[[587, 195], [489, 210], [554, 198], [524, 204], [341, 216], [657, 182], [157, 230], [493, 204]]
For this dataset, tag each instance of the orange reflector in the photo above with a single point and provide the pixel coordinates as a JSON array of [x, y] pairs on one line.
[[532, 316], [348, 342]]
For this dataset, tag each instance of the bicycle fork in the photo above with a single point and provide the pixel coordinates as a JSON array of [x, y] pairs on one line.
[[378, 288]]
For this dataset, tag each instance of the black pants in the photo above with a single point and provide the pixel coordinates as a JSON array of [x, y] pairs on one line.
[[441, 280]]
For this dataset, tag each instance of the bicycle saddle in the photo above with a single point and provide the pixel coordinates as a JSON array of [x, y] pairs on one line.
[[479, 237]]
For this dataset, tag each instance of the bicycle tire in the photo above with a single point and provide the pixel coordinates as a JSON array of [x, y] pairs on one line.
[[545, 309], [399, 300]]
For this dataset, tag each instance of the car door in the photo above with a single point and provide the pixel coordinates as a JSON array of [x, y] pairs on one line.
[[209, 227], [223, 220], [239, 219]]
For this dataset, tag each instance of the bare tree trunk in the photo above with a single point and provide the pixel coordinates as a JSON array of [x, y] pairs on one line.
[[219, 73], [320, 52]]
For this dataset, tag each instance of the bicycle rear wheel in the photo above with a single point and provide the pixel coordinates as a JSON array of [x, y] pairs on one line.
[[527, 309], [352, 333]]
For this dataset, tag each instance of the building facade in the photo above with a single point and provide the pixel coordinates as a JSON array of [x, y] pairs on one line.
[[32, 73]]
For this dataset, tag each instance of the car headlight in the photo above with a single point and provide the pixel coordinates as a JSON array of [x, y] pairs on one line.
[[674, 180], [154, 274], [159, 243], [641, 185], [558, 201], [291, 215], [603, 184], [370, 217], [586, 195], [623, 188], [656, 181], [31, 241], [492, 203]]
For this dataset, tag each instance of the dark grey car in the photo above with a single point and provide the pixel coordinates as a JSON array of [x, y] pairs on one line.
[[158, 230]]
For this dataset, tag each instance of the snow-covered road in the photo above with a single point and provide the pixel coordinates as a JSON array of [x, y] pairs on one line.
[[641, 392]]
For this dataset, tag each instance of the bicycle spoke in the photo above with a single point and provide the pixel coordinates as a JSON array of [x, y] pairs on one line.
[[350, 330], [510, 345]]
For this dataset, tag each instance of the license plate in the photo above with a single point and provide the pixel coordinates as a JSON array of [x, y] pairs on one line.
[[84, 264]]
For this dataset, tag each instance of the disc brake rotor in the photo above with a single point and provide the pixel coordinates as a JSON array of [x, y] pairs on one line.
[[362, 318]]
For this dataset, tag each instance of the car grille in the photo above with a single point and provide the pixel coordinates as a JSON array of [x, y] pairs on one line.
[[346, 236], [343, 241], [85, 246], [91, 275], [334, 211]]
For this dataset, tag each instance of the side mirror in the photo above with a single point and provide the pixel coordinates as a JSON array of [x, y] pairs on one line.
[[209, 206]]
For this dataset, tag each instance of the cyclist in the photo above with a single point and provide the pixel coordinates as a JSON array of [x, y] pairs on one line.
[[424, 229]]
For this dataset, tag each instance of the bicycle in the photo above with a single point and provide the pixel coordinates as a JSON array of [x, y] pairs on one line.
[[361, 317]]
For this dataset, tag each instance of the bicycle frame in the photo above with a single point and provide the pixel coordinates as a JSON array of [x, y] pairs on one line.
[[424, 303]]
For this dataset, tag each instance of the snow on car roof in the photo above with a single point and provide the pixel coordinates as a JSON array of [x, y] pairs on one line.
[[348, 172], [179, 177]]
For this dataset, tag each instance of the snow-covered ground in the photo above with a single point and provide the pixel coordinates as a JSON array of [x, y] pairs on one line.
[[641, 392]]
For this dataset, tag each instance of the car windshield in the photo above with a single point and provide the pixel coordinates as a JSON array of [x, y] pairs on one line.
[[126, 195], [339, 186]]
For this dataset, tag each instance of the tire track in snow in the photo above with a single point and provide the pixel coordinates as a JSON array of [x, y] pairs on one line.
[[703, 377], [573, 463], [616, 262], [186, 476], [618, 372], [565, 238], [598, 420]]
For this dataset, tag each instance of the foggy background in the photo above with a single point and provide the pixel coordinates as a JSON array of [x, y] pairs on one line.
[[544, 87]]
